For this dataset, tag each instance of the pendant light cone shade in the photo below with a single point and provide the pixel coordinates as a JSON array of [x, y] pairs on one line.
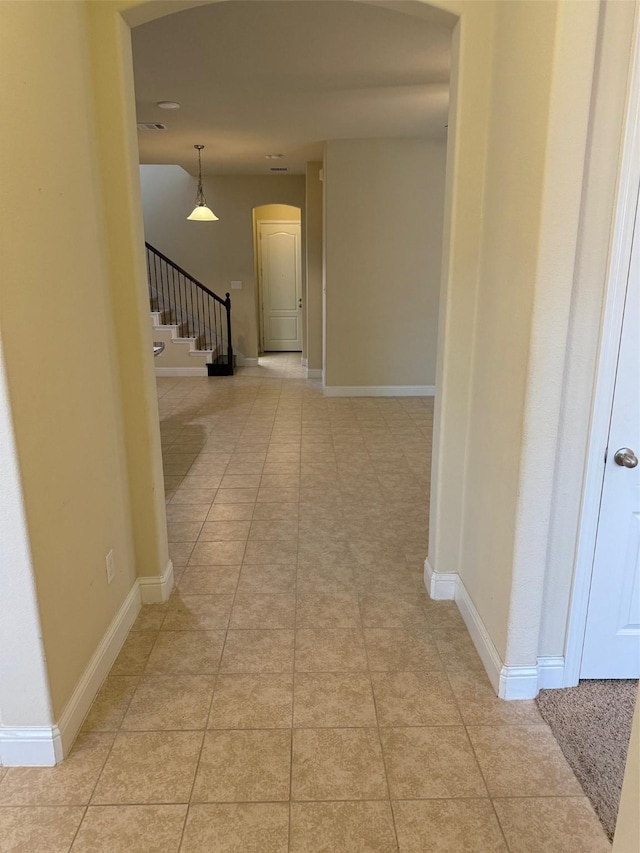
[[201, 213]]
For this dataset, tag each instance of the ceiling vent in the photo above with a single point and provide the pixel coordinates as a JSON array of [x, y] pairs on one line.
[[278, 168], [151, 125]]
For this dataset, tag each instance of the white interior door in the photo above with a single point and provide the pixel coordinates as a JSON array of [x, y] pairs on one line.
[[612, 639], [281, 285]]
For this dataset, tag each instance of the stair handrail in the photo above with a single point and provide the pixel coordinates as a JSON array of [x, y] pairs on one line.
[[188, 275], [203, 320]]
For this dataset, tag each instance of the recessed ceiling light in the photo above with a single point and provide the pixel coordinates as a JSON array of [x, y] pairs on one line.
[[274, 156], [168, 105]]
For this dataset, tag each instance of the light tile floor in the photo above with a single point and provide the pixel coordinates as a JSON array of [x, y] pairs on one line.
[[299, 692]]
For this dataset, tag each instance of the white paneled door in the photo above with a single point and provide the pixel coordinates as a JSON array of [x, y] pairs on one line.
[[279, 261], [612, 639]]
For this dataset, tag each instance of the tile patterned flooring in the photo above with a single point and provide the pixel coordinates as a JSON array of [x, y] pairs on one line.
[[299, 692]]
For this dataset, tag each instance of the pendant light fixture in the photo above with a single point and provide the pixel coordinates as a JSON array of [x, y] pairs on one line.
[[201, 213]]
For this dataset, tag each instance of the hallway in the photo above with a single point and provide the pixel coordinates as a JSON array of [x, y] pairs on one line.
[[300, 690]]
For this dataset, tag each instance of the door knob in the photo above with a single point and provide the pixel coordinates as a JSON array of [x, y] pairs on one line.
[[625, 457]]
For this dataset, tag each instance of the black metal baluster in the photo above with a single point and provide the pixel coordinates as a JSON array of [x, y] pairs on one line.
[[176, 299], [164, 296], [149, 276], [183, 290], [167, 271], [198, 303], [221, 328], [190, 305], [172, 291], [216, 311], [155, 279], [229, 348]]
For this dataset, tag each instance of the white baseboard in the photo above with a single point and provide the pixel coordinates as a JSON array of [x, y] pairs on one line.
[[480, 636], [551, 674], [157, 588], [509, 682], [441, 586], [47, 745], [30, 746], [314, 373], [44, 746], [181, 371], [304, 362], [98, 668], [379, 390]]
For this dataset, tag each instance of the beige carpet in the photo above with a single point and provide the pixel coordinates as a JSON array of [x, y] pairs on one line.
[[592, 724]]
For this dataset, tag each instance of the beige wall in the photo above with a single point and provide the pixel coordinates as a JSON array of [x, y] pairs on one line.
[[24, 685], [116, 164], [520, 125], [58, 338], [314, 242], [518, 104], [583, 340], [86, 446], [472, 61], [383, 219], [216, 253]]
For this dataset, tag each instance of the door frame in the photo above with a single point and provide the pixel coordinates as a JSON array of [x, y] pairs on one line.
[[260, 222], [624, 224]]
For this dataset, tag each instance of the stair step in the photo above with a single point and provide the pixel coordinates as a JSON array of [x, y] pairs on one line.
[[175, 317]]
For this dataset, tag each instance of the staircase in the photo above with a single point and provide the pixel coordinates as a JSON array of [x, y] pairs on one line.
[[193, 322]]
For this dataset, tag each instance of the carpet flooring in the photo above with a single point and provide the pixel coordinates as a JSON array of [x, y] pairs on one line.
[[592, 724]]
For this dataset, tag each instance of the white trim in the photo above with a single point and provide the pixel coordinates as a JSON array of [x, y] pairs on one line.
[[47, 745], [304, 361], [380, 390], [156, 589], [441, 586], [30, 746], [242, 361], [176, 339], [481, 639], [517, 682], [616, 283], [181, 371], [509, 682], [98, 668], [314, 373], [551, 672], [44, 746]]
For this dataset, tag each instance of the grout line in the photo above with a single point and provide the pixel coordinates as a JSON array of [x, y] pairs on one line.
[[378, 728], [275, 400], [75, 834], [484, 780]]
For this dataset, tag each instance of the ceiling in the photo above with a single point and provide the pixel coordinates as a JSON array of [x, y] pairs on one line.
[[255, 78]]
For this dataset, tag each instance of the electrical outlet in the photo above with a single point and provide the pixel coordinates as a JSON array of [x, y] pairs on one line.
[[236, 285], [110, 566]]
